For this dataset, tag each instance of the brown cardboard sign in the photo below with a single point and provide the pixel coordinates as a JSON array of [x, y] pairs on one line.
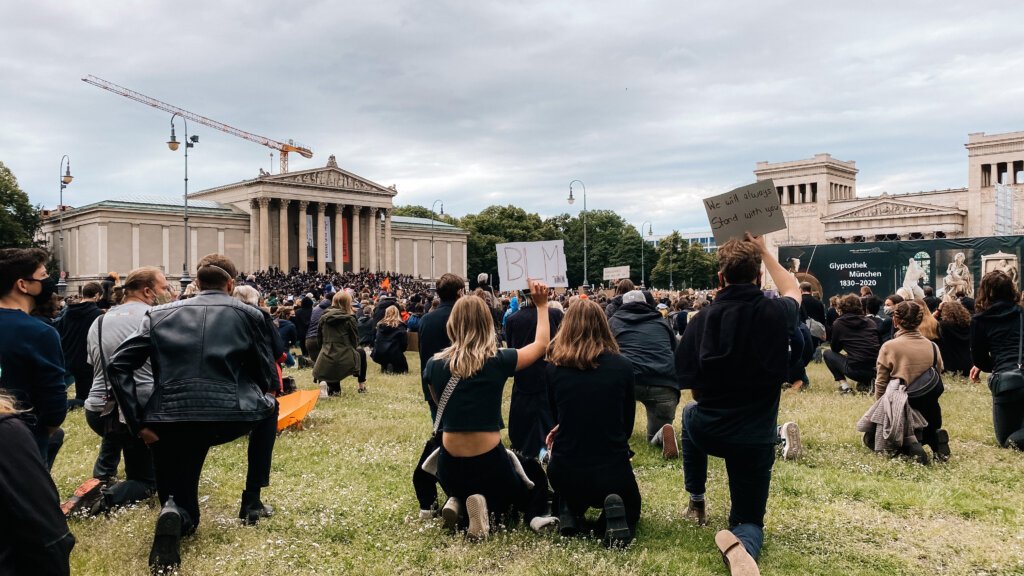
[[754, 208]]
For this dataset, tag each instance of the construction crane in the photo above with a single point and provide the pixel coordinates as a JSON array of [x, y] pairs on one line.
[[282, 147]]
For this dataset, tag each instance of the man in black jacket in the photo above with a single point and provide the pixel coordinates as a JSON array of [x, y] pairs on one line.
[[734, 357], [207, 390], [646, 340], [857, 335], [73, 327]]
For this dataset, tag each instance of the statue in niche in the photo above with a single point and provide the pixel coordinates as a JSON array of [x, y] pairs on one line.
[[958, 281]]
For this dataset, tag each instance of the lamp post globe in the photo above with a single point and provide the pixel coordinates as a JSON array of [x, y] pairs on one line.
[[571, 200], [172, 145], [65, 178]]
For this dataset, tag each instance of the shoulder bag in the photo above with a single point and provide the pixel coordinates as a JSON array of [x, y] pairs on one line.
[[110, 416], [1009, 380]]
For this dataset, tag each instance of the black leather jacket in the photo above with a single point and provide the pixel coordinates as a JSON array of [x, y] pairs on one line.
[[211, 362]]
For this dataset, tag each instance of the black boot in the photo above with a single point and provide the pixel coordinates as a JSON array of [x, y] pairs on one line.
[[940, 448], [616, 533], [165, 556], [568, 524], [253, 508]]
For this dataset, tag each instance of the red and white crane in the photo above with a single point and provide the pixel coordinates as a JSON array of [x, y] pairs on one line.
[[282, 147]]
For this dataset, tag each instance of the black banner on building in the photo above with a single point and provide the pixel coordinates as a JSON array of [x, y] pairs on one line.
[[953, 266]]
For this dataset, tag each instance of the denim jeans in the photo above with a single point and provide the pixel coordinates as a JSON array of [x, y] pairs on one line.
[[749, 469], [660, 402]]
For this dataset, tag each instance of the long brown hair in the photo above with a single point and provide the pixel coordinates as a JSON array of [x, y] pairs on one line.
[[996, 286], [583, 336], [343, 301], [929, 327], [471, 331], [954, 313]]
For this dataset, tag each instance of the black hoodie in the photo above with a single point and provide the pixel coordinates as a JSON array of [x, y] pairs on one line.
[[858, 336], [646, 340], [995, 337], [73, 328]]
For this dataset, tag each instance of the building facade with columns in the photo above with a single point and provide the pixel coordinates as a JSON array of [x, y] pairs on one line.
[[819, 199], [323, 219]]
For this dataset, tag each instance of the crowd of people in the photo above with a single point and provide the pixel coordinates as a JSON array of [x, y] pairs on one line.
[[160, 397]]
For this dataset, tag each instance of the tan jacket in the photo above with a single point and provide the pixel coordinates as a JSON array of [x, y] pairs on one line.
[[906, 357]]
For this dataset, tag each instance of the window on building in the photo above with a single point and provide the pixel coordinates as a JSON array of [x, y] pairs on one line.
[[940, 234], [916, 236], [986, 175], [792, 194], [1003, 172], [814, 192], [858, 239], [1018, 172], [803, 193], [779, 190]]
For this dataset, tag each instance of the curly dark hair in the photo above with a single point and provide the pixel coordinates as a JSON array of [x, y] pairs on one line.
[[850, 304], [954, 313], [996, 286]]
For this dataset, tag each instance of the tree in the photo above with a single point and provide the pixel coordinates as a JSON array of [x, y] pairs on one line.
[[19, 220], [415, 211], [682, 264], [499, 224], [611, 241]]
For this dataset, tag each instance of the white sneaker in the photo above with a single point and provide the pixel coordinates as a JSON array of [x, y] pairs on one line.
[[541, 523], [479, 525], [450, 513], [791, 446], [323, 390]]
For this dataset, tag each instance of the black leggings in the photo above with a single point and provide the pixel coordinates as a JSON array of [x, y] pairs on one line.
[[928, 406], [1008, 418], [490, 474], [581, 488]]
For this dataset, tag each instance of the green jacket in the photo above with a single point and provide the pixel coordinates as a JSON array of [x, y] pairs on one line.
[[338, 339]]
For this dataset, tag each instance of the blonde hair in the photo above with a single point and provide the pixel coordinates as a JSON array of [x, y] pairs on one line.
[[583, 336], [7, 405], [471, 331], [247, 294], [929, 327], [142, 278], [342, 300], [391, 317]]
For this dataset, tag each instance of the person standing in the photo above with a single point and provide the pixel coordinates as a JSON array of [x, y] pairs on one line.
[[31, 359], [733, 357], [647, 341], [206, 392], [529, 414], [73, 327]]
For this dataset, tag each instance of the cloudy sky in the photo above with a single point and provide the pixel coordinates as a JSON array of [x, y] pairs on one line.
[[652, 104]]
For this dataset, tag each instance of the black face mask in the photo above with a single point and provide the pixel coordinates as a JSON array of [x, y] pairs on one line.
[[47, 288]]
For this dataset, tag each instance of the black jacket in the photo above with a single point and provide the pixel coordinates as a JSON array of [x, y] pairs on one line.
[[857, 335], [520, 330], [612, 306], [646, 340], [955, 346], [366, 328], [995, 336], [301, 320], [812, 307], [211, 358], [433, 337], [382, 307], [34, 536], [390, 343], [314, 317], [73, 327]]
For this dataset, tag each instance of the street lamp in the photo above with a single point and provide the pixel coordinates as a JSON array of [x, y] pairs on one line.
[[571, 200], [172, 144], [643, 269], [65, 179], [433, 277]]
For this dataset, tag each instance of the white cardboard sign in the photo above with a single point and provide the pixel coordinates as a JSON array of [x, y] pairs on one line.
[[616, 273], [754, 208], [520, 262]]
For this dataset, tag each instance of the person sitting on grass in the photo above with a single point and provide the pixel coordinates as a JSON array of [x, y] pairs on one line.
[[473, 466], [906, 357], [590, 387], [390, 343], [996, 348], [857, 335], [734, 357], [340, 355]]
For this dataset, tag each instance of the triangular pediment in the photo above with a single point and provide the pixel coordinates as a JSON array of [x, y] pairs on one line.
[[887, 206], [329, 177]]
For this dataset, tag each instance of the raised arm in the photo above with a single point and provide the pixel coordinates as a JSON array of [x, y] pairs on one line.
[[784, 281], [535, 350]]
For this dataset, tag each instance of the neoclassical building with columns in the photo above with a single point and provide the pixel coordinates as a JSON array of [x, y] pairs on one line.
[[322, 219]]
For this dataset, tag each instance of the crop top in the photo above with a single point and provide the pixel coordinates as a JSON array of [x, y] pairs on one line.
[[475, 406]]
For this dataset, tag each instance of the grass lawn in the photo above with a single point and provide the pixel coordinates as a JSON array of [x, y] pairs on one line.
[[345, 505]]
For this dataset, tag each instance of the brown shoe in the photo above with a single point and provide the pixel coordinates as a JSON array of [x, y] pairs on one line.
[[735, 556], [669, 449], [695, 512]]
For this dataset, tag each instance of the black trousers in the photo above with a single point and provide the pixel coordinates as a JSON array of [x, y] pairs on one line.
[[83, 382], [1008, 418], [928, 406], [335, 387], [529, 421], [180, 453], [580, 488], [841, 368], [490, 474], [396, 364], [138, 461]]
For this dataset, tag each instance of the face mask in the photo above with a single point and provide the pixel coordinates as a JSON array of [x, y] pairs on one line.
[[888, 310], [162, 299], [48, 287]]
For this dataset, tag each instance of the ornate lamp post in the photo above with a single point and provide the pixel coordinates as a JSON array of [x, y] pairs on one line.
[[571, 200], [433, 277], [643, 269], [65, 179], [173, 145]]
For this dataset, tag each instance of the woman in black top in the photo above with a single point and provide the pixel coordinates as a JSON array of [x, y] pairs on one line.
[[590, 386], [995, 347], [473, 467], [390, 343], [955, 337]]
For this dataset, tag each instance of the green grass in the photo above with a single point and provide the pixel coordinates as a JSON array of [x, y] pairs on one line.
[[345, 505]]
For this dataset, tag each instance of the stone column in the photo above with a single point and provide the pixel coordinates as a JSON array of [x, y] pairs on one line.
[[339, 238], [303, 261], [356, 246], [321, 238], [264, 260], [372, 237], [282, 261], [254, 234], [389, 246]]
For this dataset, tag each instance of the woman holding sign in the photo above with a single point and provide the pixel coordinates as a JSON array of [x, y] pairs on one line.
[[467, 380]]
